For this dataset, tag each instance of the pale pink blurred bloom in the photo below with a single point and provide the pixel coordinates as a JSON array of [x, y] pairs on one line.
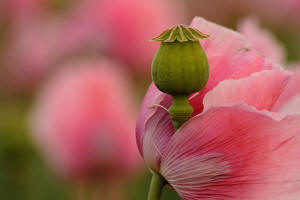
[[31, 50], [128, 25], [261, 40], [35, 48], [80, 29], [83, 122], [283, 13], [120, 28], [18, 11], [233, 147]]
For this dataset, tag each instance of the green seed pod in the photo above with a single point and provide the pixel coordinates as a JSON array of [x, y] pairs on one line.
[[179, 68], [180, 65]]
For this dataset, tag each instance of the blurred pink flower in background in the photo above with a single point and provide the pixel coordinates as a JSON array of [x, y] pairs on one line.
[[282, 13], [128, 26], [22, 44], [234, 146], [83, 122], [79, 29], [261, 40], [20, 10], [27, 59], [121, 28]]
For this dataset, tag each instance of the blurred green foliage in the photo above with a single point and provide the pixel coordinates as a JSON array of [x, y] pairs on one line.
[[23, 174], [291, 42], [59, 5]]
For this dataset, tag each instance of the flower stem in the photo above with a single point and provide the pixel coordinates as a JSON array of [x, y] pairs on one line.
[[180, 110], [156, 187]]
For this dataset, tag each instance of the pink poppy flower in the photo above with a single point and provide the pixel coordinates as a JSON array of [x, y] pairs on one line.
[[83, 122], [233, 147], [261, 40]]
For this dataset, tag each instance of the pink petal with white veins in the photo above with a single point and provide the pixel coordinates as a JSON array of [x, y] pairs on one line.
[[149, 107], [158, 131], [235, 152], [154, 127]]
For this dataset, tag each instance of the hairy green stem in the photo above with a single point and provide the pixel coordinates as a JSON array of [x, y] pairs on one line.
[[180, 110], [156, 186]]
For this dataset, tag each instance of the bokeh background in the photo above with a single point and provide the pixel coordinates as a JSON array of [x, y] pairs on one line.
[[51, 53]]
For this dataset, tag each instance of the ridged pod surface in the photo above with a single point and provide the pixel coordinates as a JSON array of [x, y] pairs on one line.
[[180, 64]]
